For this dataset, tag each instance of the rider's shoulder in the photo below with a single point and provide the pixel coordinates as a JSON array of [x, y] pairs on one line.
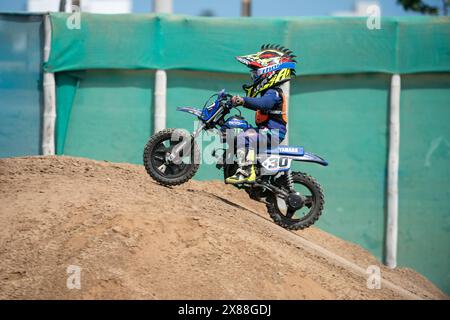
[[274, 90]]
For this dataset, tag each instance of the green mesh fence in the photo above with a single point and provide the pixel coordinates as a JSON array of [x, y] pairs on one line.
[[110, 114], [326, 45], [20, 84]]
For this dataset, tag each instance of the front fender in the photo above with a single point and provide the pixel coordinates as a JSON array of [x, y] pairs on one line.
[[310, 157], [191, 110]]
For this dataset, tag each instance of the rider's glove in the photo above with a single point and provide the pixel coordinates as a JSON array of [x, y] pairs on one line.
[[237, 101]]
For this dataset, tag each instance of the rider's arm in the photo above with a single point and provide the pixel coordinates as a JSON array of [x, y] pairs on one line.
[[266, 102]]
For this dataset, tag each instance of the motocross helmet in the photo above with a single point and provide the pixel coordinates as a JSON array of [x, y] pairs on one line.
[[271, 66]]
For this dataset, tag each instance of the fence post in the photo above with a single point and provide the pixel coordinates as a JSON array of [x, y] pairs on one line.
[[49, 88], [159, 112], [392, 178]]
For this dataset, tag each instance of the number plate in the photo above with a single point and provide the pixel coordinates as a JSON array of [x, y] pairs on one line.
[[277, 163]]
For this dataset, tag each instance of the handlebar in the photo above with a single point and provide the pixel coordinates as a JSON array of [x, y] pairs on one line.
[[227, 97], [209, 114]]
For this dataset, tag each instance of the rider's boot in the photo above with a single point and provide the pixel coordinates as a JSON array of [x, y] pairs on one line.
[[246, 172]]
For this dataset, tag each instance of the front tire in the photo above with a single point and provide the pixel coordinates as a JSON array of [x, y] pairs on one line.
[[314, 202], [165, 172]]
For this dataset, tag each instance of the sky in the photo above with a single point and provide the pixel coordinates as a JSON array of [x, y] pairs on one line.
[[260, 8], [268, 8]]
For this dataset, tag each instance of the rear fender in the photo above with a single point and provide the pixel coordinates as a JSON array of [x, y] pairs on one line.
[[310, 157]]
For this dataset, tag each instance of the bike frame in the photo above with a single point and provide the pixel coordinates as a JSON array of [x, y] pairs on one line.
[[211, 115]]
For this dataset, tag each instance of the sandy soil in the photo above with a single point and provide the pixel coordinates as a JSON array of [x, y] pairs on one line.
[[135, 239]]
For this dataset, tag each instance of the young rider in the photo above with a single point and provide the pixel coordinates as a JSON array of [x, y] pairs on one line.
[[269, 68]]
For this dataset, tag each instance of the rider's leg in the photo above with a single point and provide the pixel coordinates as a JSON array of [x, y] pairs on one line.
[[268, 139], [247, 143]]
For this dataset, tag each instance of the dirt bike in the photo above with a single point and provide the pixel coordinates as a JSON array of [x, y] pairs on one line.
[[294, 199]]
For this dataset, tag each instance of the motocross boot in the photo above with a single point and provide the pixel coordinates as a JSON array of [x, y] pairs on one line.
[[246, 172]]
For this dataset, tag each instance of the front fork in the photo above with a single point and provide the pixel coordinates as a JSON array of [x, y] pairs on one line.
[[174, 154]]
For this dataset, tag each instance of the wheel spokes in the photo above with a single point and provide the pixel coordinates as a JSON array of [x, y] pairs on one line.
[[174, 169], [161, 148], [159, 158], [290, 213], [309, 201], [166, 167]]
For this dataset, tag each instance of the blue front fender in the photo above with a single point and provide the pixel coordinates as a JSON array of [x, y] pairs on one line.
[[310, 157], [191, 110]]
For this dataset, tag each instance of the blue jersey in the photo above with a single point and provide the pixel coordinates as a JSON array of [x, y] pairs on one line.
[[268, 101]]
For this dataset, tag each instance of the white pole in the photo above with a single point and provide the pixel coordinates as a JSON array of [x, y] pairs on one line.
[[392, 178], [286, 87], [49, 88], [160, 107], [159, 112]]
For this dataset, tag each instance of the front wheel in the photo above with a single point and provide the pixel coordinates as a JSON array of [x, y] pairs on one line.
[[158, 164], [309, 205]]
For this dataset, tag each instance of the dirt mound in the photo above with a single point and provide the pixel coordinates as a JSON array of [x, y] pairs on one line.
[[135, 239]]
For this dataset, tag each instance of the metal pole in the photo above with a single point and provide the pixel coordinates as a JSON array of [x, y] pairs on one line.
[[49, 89], [160, 111], [392, 178], [62, 5], [246, 7]]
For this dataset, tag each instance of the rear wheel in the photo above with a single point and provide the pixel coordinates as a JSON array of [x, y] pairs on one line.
[[171, 172], [302, 209]]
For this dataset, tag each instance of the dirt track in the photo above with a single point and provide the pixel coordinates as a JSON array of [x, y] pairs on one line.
[[135, 239]]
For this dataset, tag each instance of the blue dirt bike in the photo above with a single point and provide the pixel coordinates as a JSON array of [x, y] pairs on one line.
[[294, 199]]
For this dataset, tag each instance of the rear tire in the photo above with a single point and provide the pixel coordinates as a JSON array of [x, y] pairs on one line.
[[307, 220], [185, 170]]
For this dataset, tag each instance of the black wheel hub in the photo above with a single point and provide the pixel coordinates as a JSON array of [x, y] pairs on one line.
[[294, 201]]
